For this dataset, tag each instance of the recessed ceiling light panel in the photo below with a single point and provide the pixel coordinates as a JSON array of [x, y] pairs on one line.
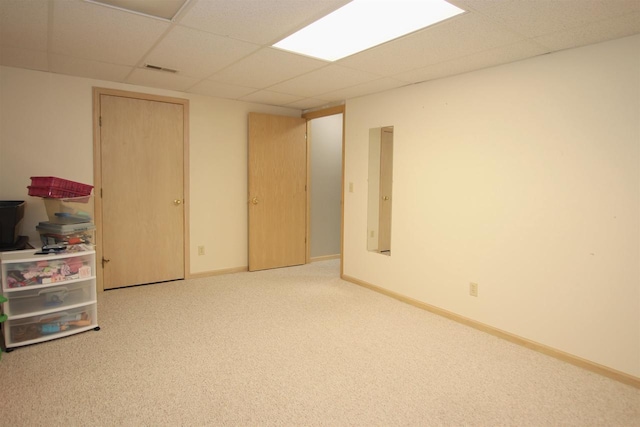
[[362, 24]]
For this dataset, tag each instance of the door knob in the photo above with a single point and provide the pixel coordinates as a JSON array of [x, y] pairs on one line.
[[254, 200], [385, 198], [177, 202]]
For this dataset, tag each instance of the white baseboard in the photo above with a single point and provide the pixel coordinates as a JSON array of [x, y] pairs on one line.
[[324, 258], [541, 348]]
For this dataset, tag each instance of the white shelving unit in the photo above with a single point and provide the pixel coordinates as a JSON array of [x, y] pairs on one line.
[[48, 296]]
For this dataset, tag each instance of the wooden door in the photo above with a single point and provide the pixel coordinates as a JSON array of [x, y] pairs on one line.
[[277, 191], [142, 161], [386, 189]]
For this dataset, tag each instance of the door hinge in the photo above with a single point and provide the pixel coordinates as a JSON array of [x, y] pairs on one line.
[[305, 136], [100, 121], [101, 193]]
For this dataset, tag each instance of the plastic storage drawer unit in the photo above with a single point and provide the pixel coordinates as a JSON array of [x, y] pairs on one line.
[[48, 296]]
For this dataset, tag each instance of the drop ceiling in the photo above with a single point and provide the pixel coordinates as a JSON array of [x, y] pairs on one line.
[[222, 48]]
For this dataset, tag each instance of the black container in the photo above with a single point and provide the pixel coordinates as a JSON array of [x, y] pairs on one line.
[[11, 213]]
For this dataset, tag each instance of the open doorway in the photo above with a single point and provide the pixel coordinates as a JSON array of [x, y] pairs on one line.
[[325, 131]]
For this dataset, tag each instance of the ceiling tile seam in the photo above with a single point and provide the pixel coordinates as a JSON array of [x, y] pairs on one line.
[[269, 43], [318, 69], [396, 76], [50, 54], [227, 36], [368, 71], [209, 79], [320, 96], [261, 47], [210, 76], [585, 26], [294, 77], [190, 89], [265, 47], [611, 18], [141, 62], [499, 23], [184, 9], [275, 92], [127, 10]]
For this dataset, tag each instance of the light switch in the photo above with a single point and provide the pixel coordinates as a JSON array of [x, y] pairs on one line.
[[351, 187]]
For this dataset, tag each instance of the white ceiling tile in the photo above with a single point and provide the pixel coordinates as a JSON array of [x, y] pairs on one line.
[[256, 21], [274, 66], [222, 47], [476, 61], [536, 18], [85, 68], [456, 37], [160, 79], [104, 34], [23, 24], [24, 58], [269, 97], [221, 90], [621, 26], [163, 9], [327, 79], [205, 54], [374, 86]]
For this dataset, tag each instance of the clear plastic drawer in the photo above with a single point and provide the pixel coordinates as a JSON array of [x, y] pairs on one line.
[[49, 299], [51, 325], [48, 271]]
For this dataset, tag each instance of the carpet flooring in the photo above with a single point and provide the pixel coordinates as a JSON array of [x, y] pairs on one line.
[[293, 347]]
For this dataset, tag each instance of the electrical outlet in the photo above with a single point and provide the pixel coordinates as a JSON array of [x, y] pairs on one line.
[[372, 233], [200, 250], [473, 289], [351, 187]]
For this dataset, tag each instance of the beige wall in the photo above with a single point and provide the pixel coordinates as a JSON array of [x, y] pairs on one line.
[[46, 130], [523, 178]]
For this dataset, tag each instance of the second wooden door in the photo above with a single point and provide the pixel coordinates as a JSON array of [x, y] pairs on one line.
[[277, 191], [142, 170]]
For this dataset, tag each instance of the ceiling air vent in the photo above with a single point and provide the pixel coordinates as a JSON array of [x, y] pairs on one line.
[[157, 68]]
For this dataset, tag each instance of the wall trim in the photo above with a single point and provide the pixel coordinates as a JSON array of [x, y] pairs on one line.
[[218, 272], [324, 258], [532, 345], [330, 111]]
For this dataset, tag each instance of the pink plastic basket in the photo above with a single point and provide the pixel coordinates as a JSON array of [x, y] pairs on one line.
[[57, 188]]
